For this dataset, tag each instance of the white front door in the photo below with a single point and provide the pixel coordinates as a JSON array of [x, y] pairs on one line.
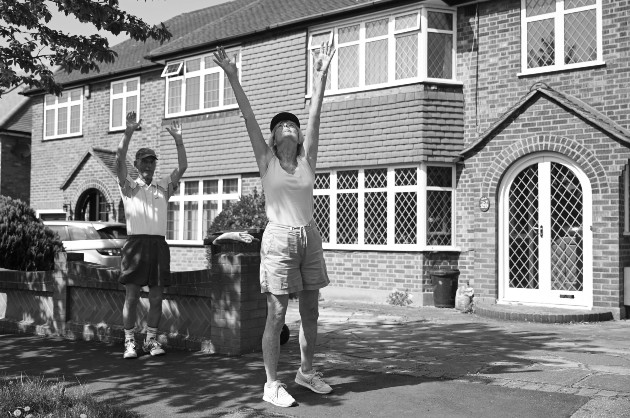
[[545, 237]]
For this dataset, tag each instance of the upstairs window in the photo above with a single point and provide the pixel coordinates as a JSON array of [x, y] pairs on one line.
[[560, 34], [63, 114], [124, 97], [407, 46], [198, 85]]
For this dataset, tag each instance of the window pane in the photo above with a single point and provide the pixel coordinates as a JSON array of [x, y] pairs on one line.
[[321, 215], [117, 112], [438, 217], [580, 37], [376, 28], [440, 55], [538, 7], [346, 34], [439, 176], [230, 186], [75, 95], [210, 211], [406, 176], [328, 82], [540, 43], [192, 93], [375, 178], [63, 98], [376, 62], [132, 104], [209, 62], [75, 119], [172, 221], [174, 96], [193, 65], [210, 186], [322, 181], [211, 90], [409, 21], [375, 225], [50, 100], [348, 66], [132, 85], [406, 218], [572, 4], [440, 21], [348, 180], [190, 220], [191, 188], [320, 38], [117, 88], [347, 218], [62, 125], [406, 56], [50, 122], [228, 93]]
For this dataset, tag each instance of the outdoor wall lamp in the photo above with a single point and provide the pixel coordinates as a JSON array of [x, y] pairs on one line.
[[86, 91]]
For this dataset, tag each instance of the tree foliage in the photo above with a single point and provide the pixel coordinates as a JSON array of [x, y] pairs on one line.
[[25, 243], [36, 49], [246, 213]]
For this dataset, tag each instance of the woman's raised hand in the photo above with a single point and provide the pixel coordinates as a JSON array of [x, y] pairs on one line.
[[224, 61], [324, 56]]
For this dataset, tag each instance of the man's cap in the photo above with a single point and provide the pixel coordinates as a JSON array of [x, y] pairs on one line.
[[145, 152], [282, 116]]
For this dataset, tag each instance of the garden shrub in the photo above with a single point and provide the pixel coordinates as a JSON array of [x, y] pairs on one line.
[[25, 243], [246, 213]]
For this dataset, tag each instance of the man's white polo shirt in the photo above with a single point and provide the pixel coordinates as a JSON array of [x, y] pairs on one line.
[[146, 205]]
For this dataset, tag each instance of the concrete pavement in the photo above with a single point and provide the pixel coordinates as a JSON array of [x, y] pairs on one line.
[[381, 360]]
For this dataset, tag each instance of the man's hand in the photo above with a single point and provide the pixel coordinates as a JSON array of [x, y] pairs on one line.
[[132, 125], [175, 130]]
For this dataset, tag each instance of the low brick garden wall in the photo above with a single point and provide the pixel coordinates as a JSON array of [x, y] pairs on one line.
[[217, 310]]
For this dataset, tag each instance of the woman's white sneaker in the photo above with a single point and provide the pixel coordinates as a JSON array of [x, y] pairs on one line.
[[276, 394], [313, 381]]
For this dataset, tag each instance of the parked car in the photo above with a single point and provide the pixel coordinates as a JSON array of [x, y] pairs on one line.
[[100, 242]]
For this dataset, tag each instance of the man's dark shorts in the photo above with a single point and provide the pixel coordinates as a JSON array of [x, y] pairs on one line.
[[146, 261]]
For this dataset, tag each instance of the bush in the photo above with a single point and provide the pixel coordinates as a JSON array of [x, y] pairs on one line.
[[400, 297], [246, 213], [25, 243]]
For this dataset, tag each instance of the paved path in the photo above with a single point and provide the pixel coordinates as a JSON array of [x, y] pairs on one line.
[[383, 361]]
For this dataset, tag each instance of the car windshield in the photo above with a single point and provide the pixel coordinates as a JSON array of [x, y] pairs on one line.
[[113, 232], [82, 232]]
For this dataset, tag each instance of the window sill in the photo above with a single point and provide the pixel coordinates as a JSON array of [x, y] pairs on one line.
[[436, 81], [54, 138], [184, 243], [392, 248], [558, 69], [120, 130], [200, 112]]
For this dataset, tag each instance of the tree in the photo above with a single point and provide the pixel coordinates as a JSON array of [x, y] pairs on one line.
[[36, 49]]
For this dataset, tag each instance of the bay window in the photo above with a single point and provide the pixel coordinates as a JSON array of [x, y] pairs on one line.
[[404, 46], [389, 208], [193, 209]]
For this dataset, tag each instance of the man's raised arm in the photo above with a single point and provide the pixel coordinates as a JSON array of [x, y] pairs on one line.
[[123, 146]]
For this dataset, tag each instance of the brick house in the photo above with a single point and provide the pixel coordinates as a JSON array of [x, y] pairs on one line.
[[488, 136], [15, 146]]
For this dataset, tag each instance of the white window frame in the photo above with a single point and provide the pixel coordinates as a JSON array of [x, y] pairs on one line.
[[422, 32], [558, 16], [219, 197], [420, 188], [626, 200], [182, 74], [124, 96], [68, 105]]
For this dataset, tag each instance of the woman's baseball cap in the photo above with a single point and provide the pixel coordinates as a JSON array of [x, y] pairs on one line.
[[281, 117]]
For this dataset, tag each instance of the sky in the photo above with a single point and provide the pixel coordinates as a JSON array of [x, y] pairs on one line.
[[151, 11]]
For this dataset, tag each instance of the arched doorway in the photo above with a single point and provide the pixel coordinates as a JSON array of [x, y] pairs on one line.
[[545, 236], [92, 206]]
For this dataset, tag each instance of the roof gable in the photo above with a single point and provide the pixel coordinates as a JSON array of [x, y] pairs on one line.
[[104, 157], [572, 104]]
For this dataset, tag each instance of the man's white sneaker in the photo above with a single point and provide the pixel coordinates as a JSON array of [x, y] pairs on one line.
[[130, 349], [313, 381], [276, 394]]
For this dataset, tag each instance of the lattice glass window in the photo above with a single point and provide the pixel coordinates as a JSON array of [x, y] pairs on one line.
[[389, 48], [381, 207], [124, 97], [192, 210], [202, 86], [559, 34], [62, 114]]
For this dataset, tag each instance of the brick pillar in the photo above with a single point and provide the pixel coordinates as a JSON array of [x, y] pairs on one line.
[[239, 310], [60, 294]]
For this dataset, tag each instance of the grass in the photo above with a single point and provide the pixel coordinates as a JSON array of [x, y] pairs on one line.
[[37, 397]]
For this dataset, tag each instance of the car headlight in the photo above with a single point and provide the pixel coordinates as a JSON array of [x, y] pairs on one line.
[[109, 251]]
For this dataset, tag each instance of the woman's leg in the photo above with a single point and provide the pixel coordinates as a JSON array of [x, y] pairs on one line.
[[276, 312], [309, 314]]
